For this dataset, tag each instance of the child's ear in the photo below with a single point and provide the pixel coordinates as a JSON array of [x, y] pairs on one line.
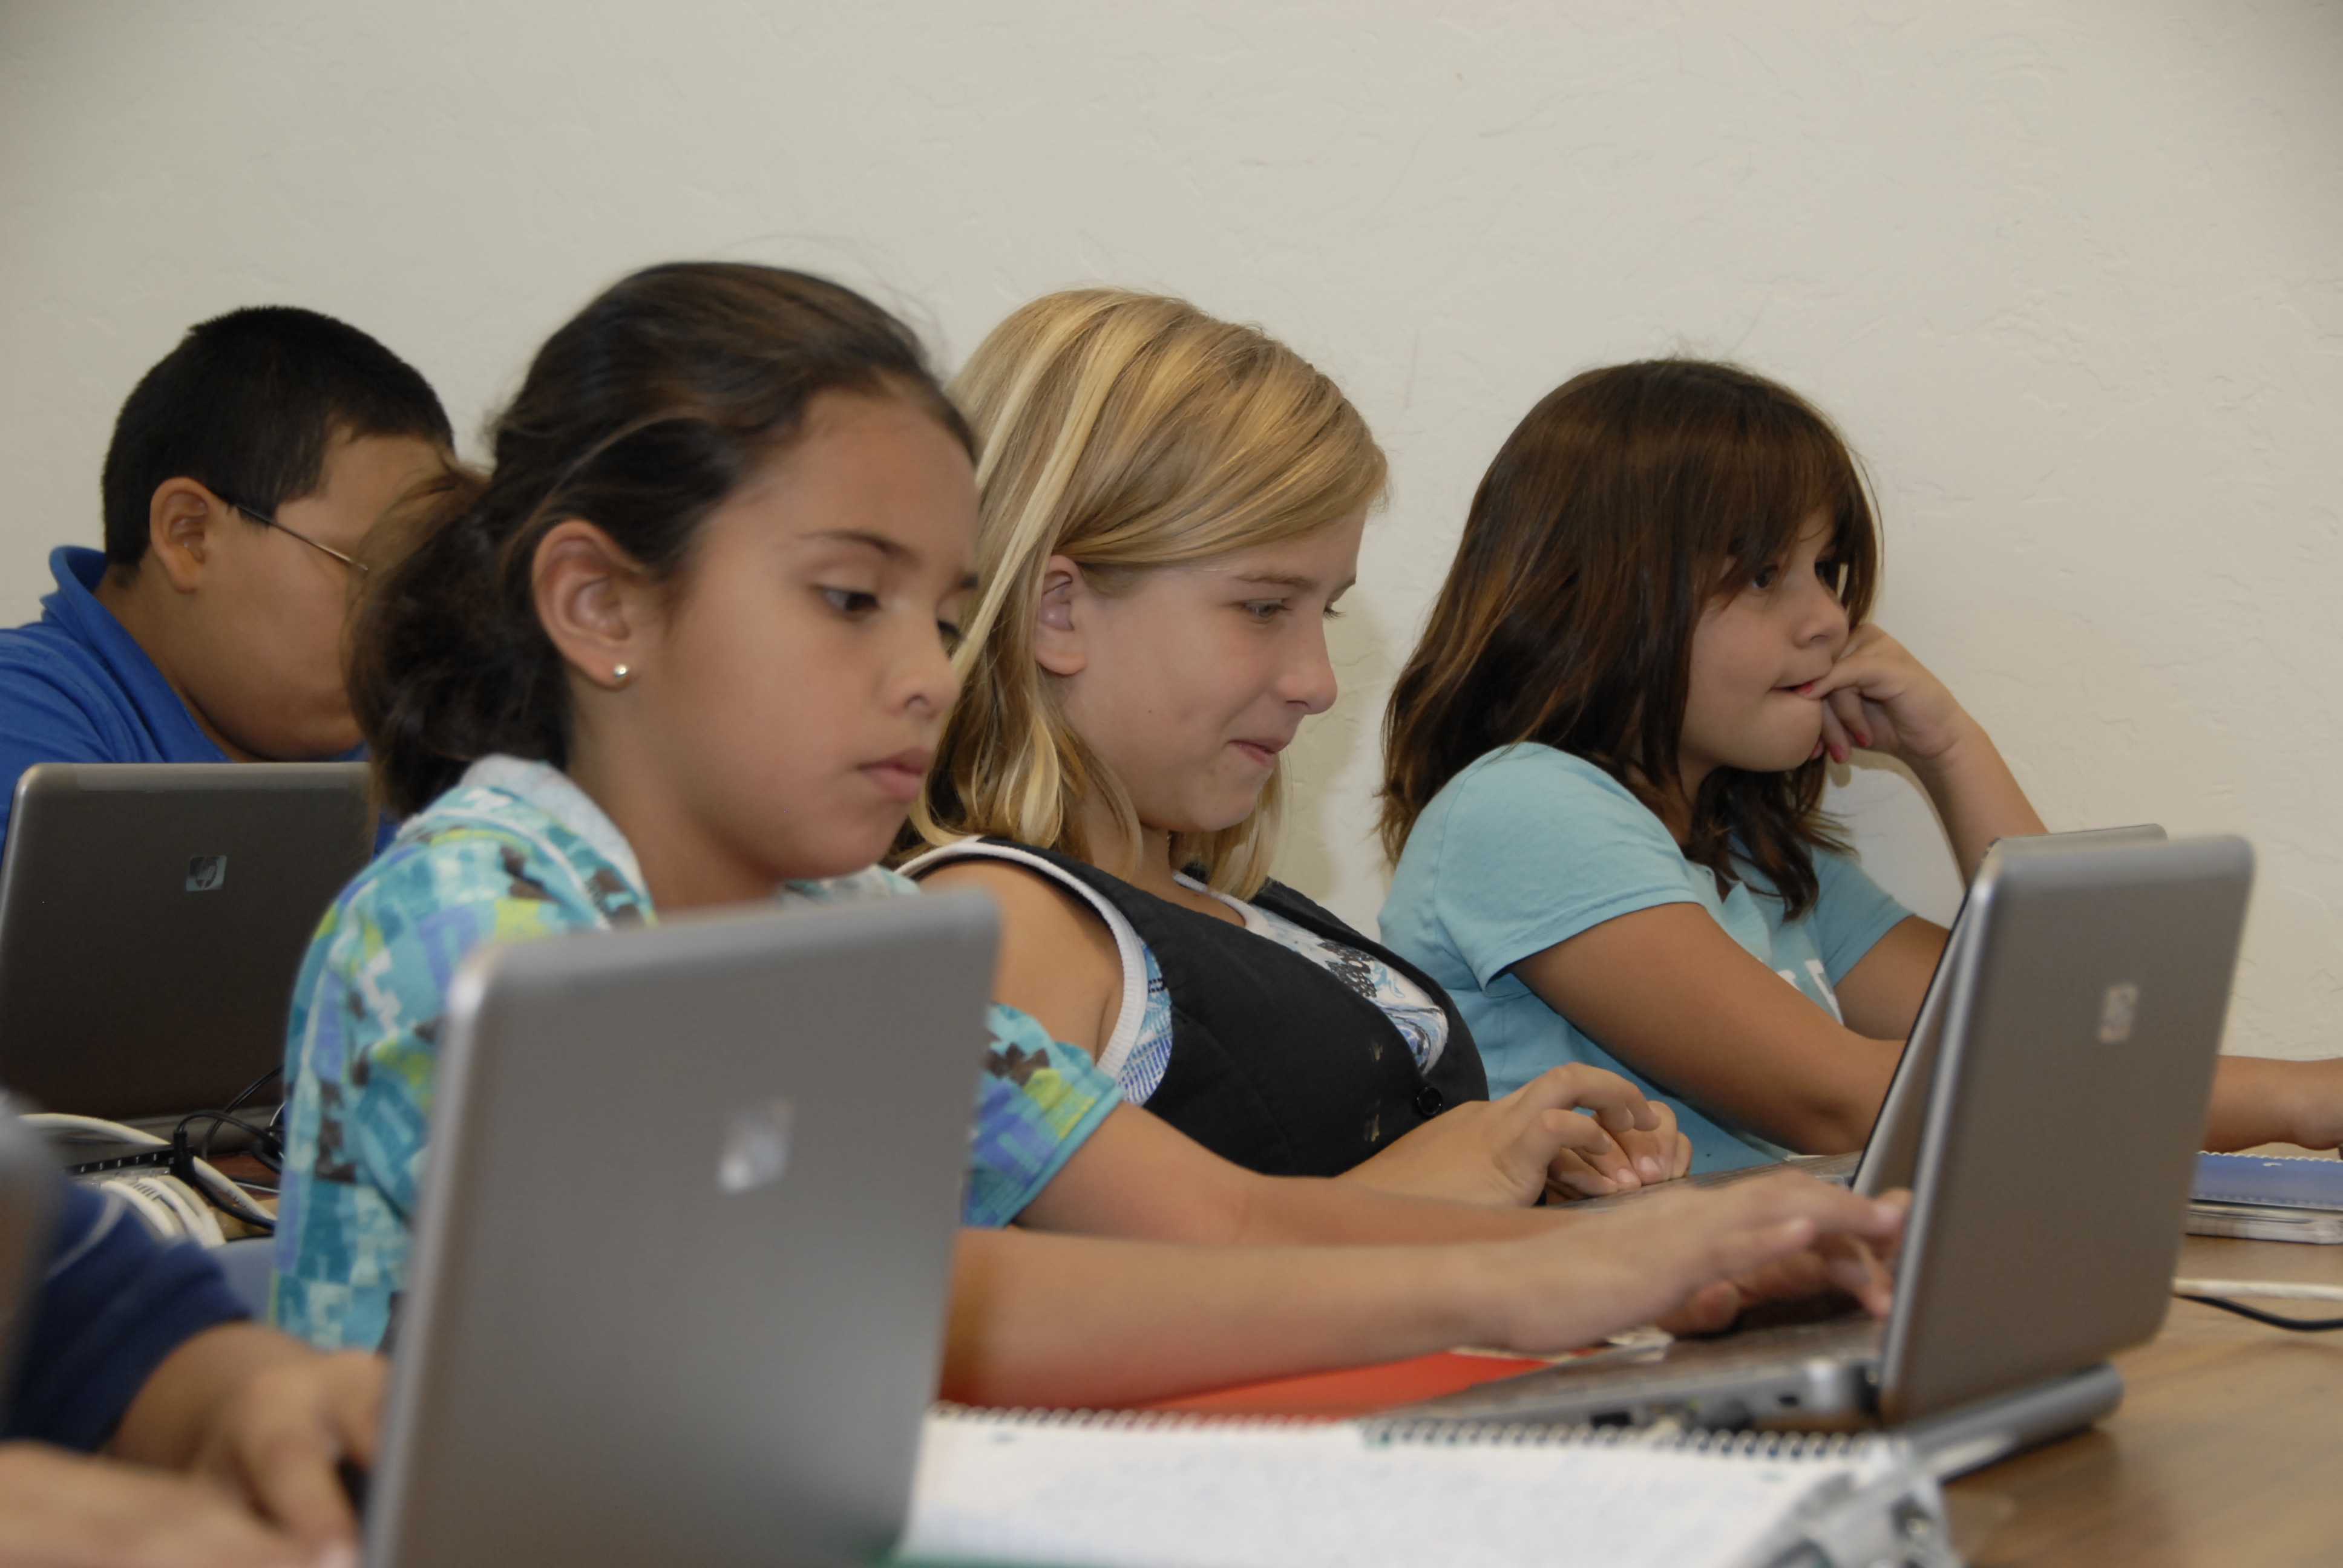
[[1060, 619], [180, 519], [593, 600]]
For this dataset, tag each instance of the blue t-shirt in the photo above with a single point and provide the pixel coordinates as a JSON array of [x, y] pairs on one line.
[[1530, 846], [74, 686], [113, 1302]]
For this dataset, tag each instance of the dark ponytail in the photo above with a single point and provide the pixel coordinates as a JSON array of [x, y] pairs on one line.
[[641, 416]]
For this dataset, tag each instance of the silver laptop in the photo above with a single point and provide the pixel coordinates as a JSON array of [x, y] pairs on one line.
[[2080, 1018], [1891, 1155], [152, 919], [684, 1248]]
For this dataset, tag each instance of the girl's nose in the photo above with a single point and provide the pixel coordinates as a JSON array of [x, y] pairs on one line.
[[1309, 678], [925, 679], [1823, 618]]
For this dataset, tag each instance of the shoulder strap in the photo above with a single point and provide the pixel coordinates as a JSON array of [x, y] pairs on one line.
[[1132, 1015]]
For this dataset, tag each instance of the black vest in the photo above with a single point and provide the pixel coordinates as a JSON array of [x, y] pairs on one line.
[[1277, 1065]]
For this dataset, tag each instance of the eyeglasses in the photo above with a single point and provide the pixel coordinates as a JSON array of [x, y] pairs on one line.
[[266, 521]]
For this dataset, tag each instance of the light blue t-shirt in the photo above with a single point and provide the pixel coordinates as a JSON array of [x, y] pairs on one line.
[[1530, 846]]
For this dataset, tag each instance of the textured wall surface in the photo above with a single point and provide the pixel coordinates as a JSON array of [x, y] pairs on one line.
[[2069, 272]]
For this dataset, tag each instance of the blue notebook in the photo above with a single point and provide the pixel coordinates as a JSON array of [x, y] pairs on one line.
[[2281, 1183]]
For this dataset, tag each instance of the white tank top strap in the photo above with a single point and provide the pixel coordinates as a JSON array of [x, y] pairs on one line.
[[1131, 1018]]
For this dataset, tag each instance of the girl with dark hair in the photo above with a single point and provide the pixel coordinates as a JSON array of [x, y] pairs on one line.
[[587, 683], [688, 643], [1604, 767]]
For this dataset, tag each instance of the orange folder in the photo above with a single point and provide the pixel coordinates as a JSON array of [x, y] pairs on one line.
[[1361, 1391]]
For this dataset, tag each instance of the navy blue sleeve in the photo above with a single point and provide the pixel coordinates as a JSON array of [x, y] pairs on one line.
[[114, 1301]]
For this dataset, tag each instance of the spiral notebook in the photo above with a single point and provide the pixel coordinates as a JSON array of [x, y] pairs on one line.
[[1122, 1490]]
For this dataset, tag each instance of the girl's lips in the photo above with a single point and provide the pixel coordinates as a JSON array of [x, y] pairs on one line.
[[1261, 752], [901, 774]]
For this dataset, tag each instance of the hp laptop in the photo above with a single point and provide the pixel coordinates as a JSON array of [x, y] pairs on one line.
[[2081, 1014], [152, 919], [708, 1340], [1891, 1154]]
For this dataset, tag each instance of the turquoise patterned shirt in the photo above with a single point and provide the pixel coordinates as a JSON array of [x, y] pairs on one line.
[[518, 851]]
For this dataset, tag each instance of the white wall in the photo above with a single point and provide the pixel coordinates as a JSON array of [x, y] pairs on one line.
[[2070, 272]]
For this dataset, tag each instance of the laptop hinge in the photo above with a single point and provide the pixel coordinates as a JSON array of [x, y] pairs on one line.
[[1963, 1438]]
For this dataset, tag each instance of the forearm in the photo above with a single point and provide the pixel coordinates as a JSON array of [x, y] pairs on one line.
[[1139, 1180], [2257, 1100], [1077, 1320], [1976, 796], [1307, 1209], [1675, 1000], [1825, 1101], [171, 1417]]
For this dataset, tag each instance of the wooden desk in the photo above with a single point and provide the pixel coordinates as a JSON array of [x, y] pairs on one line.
[[2227, 1448]]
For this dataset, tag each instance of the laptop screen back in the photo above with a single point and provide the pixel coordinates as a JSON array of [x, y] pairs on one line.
[[153, 917], [1891, 1155], [2099, 981], [686, 1241]]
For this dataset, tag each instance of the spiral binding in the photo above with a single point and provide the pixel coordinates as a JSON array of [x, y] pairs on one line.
[[1716, 1442], [1024, 1416], [1420, 1431]]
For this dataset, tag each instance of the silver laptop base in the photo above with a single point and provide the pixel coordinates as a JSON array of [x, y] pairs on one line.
[[1974, 1435], [1792, 1372], [1806, 1374]]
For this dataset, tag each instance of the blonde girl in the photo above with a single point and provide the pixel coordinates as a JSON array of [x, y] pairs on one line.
[[1171, 506]]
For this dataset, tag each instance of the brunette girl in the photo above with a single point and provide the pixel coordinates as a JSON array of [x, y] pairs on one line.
[[1604, 768], [687, 644]]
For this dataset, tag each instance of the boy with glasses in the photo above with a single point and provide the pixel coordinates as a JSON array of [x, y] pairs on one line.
[[245, 470]]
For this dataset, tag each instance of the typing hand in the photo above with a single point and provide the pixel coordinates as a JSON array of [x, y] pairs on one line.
[[1684, 1258], [281, 1441], [60, 1509], [266, 1419], [1837, 1262]]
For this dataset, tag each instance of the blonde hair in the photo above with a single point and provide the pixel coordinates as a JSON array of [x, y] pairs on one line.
[[1129, 432]]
